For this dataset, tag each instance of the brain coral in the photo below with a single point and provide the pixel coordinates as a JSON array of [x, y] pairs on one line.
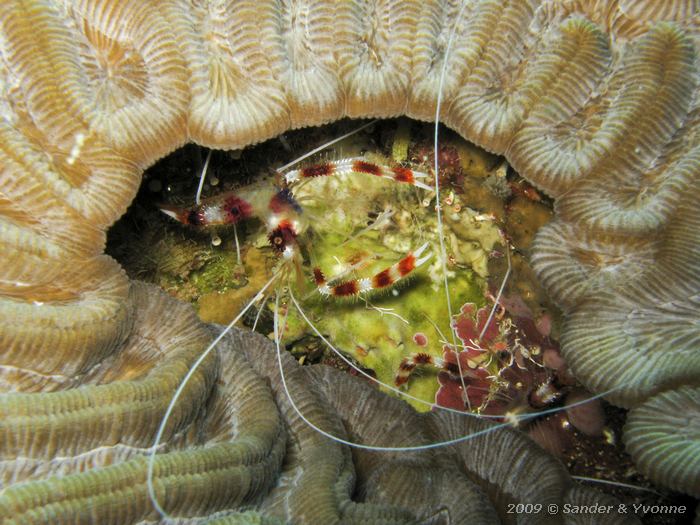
[[595, 102]]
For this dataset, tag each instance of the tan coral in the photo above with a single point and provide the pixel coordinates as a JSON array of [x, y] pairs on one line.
[[493, 96], [640, 334], [629, 118], [89, 444], [560, 140], [235, 99], [623, 19], [574, 265], [131, 85], [373, 45], [52, 334], [433, 31], [123, 83], [633, 345], [630, 205], [37, 217], [306, 67], [157, 353], [663, 437], [651, 11]]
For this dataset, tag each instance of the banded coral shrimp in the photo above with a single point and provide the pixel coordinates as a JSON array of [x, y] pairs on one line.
[[358, 307]]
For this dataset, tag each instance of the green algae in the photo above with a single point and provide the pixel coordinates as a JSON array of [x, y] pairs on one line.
[[183, 263], [221, 305], [220, 272]]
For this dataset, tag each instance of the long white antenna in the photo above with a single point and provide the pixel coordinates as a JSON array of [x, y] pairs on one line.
[[324, 146], [498, 295], [181, 388], [198, 196], [238, 246], [374, 379], [353, 444], [615, 484], [257, 316], [438, 205], [374, 448]]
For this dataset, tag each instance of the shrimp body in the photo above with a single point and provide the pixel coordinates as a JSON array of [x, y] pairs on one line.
[[231, 207], [284, 219]]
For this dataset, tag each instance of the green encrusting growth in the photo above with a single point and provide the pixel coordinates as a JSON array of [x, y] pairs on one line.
[[380, 339], [370, 225], [220, 273]]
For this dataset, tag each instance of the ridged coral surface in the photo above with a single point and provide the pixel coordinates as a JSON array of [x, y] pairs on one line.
[[594, 102]]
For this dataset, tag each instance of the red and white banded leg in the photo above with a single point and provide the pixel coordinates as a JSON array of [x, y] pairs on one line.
[[384, 279], [356, 166], [409, 364]]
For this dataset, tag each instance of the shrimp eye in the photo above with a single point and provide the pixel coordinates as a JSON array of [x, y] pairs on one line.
[[194, 218], [282, 236]]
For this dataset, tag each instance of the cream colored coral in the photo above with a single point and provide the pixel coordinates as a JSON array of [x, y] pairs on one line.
[[662, 436]]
